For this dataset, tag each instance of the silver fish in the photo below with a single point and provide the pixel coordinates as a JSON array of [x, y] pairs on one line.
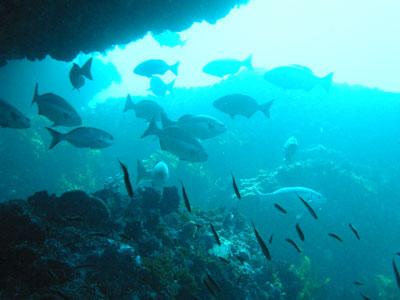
[[145, 109], [77, 74], [151, 67], [10, 117], [201, 126], [227, 66], [56, 109], [179, 142], [82, 137], [239, 104], [296, 77]]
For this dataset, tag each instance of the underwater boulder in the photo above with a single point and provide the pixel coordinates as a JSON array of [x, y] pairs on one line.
[[170, 200]]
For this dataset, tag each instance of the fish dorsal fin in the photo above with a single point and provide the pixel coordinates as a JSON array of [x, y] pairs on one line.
[[307, 69], [185, 117]]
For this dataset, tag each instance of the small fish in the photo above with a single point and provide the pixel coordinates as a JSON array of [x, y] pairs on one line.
[[309, 208], [127, 180], [270, 239], [186, 198], [82, 137], [358, 283], [77, 74], [209, 288], [124, 236], [223, 259], [291, 242], [335, 236], [215, 234], [396, 272], [364, 297], [213, 283], [151, 67], [398, 253], [354, 230], [262, 244], [280, 208], [300, 232], [235, 188]]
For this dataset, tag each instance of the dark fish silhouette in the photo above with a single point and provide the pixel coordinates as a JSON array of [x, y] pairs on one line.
[[291, 242], [77, 74], [309, 208], [280, 208], [335, 236], [223, 259], [354, 230], [364, 297], [270, 239], [213, 283], [299, 232], [56, 109], [262, 244], [209, 288], [235, 187], [215, 234], [186, 198], [358, 283], [127, 180], [82, 137], [396, 272]]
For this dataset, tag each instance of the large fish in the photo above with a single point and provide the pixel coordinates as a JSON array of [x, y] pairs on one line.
[[77, 74], [290, 149], [145, 109], [296, 77], [82, 137], [159, 87], [157, 176], [178, 141], [227, 66], [56, 109], [239, 104], [11, 117], [201, 126], [151, 67]]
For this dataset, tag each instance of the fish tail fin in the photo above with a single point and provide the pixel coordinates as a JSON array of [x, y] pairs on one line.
[[129, 103], [248, 62], [86, 69], [266, 107], [174, 68], [56, 137], [326, 81], [35, 93], [165, 121], [152, 129], [141, 171], [170, 85]]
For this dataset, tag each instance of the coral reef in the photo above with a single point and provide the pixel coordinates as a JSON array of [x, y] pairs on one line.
[[62, 29], [106, 245]]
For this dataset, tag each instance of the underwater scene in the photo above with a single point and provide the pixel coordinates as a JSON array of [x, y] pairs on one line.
[[250, 155]]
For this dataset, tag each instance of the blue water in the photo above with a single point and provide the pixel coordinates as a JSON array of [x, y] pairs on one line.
[[349, 145]]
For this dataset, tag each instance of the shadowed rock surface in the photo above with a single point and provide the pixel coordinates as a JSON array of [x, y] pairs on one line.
[[62, 29]]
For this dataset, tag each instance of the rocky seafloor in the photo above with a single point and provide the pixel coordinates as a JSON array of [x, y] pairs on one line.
[[108, 246]]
